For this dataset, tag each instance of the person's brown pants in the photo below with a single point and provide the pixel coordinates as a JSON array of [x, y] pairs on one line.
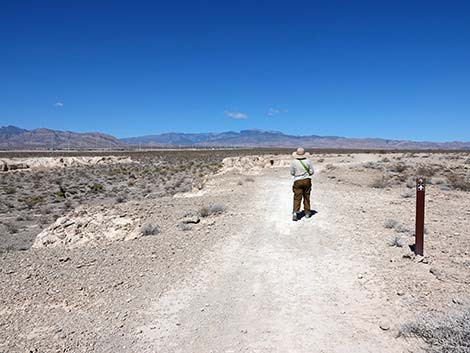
[[301, 190]]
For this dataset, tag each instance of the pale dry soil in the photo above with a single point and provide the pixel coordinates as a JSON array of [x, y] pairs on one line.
[[278, 286], [251, 279]]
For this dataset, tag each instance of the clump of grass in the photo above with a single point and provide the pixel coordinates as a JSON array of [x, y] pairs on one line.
[[150, 229], [446, 333], [33, 201]]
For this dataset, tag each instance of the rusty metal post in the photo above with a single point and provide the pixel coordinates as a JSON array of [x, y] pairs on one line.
[[420, 204]]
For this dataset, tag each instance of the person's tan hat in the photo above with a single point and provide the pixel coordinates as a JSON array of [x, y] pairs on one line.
[[300, 153]]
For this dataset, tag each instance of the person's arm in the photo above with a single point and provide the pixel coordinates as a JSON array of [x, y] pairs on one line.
[[292, 168]]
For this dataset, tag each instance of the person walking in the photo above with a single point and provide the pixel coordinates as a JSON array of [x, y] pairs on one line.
[[301, 169]]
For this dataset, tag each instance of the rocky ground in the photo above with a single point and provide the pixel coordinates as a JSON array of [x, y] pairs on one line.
[[224, 269]]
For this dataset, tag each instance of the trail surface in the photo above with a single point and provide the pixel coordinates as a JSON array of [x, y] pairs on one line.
[[276, 285]]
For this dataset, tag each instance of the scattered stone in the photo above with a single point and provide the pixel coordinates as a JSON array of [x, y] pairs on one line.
[[400, 293], [438, 273], [191, 219], [385, 326]]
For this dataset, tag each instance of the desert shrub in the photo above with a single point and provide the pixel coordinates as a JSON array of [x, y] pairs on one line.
[[390, 223], [120, 199], [445, 333], [396, 242], [240, 182], [398, 168], [150, 229], [380, 182], [394, 224], [407, 193], [372, 165], [11, 228], [411, 182], [33, 200], [96, 188], [425, 171], [459, 182], [204, 211], [385, 160], [467, 161], [249, 179], [10, 190], [213, 209]]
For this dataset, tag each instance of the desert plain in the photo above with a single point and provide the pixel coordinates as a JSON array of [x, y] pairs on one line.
[[195, 251]]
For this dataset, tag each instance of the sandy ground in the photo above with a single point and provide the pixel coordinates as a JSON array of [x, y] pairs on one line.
[[249, 280], [277, 286]]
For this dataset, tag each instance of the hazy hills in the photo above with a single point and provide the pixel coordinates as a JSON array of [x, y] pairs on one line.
[[262, 138], [12, 137]]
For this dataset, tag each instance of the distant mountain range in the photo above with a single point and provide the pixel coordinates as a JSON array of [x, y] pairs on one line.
[[262, 138], [12, 137]]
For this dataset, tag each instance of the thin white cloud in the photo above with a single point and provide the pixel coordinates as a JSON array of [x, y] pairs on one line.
[[275, 111], [59, 104], [236, 115]]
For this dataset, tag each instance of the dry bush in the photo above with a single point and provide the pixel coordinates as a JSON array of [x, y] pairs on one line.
[[372, 165], [394, 224], [214, 209], [407, 193], [398, 168], [11, 228], [380, 182], [396, 242], [425, 171], [150, 229], [447, 333], [459, 182]]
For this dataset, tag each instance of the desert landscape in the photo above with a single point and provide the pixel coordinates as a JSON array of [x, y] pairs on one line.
[[195, 251]]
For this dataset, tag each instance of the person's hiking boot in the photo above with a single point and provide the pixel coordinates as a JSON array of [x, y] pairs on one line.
[[308, 214], [294, 217]]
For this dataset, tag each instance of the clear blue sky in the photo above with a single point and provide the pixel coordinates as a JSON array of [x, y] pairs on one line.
[[392, 69]]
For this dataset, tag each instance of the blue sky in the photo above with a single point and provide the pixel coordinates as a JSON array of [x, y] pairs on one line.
[[391, 69]]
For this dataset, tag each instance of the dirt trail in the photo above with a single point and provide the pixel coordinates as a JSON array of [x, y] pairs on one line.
[[278, 286]]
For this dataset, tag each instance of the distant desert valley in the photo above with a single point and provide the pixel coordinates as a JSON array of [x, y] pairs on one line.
[[188, 250]]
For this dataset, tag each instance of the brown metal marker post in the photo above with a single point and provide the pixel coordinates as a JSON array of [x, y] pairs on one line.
[[420, 193]]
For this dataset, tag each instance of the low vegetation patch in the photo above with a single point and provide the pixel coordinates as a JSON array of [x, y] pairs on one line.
[[449, 333]]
